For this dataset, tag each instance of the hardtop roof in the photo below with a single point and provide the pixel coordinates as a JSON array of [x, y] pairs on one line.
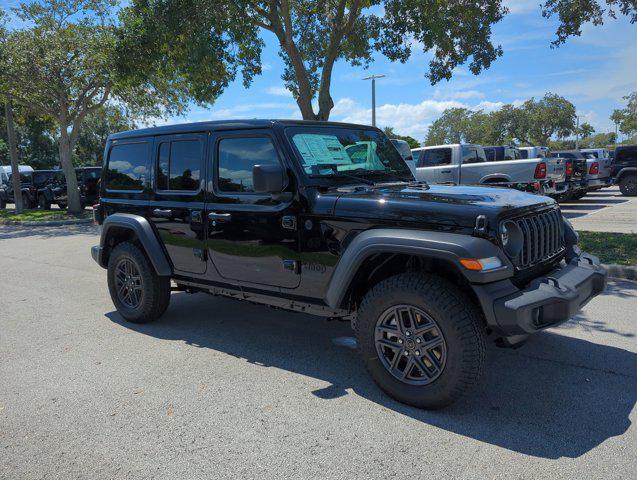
[[220, 125]]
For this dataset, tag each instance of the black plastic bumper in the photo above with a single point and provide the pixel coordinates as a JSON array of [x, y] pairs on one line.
[[96, 253], [547, 301]]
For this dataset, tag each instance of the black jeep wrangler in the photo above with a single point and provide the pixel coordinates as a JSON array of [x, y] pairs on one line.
[[54, 192], [624, 170], [326, 218]]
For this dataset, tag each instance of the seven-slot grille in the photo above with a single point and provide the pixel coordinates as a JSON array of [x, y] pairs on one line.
[[543, 235]]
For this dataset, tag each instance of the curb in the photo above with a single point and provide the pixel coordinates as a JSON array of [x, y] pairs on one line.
[[48, 223], [621, 272]]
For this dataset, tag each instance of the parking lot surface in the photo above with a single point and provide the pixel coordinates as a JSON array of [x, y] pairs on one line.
[[603, 211], [220, 389]]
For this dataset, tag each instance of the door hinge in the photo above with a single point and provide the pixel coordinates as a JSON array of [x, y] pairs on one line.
[[289, 222]]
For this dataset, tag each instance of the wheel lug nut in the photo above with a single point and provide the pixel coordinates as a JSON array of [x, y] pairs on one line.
[[406, 353], [417, 352], [418, 340], [408, 333], [400, 340]]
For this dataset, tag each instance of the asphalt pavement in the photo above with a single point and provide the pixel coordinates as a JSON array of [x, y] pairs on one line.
[[605, 210], [221, 389]]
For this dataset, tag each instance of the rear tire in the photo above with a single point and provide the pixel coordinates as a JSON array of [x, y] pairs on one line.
[[43, 203], [138, 293], [454, 322], [628, 185]]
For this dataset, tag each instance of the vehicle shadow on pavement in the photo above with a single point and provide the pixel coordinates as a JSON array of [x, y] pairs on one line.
[[555, 397]]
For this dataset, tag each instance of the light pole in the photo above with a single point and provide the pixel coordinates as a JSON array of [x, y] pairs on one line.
[[577, 132], [373, 79]]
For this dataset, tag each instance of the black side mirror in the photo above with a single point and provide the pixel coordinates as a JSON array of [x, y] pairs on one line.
[[269, 178]]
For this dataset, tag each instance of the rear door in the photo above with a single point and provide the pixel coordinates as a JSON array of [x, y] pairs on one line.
[[252, 237], [434, 165], [177, 203]]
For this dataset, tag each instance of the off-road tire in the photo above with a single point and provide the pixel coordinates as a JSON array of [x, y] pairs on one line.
[[457, 317], [43, 203], [628, 185], [579, 195], [155, 295], [3, 204]]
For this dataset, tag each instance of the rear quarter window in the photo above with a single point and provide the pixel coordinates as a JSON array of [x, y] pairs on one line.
[[128, 166]]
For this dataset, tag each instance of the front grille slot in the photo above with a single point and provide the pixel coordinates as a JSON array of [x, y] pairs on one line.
[[543, 238]]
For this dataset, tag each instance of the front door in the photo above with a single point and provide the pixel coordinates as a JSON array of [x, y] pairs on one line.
[[252, 237], [177, 206]]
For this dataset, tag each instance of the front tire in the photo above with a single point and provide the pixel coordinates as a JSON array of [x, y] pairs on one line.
[[138, 293], [628, 185], [422, 340], [43, 203]]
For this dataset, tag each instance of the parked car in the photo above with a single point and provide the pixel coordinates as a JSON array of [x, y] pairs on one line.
[[403, 148], [5, 171], [285, 213], [576, 172], [599, 169], [55, 191], [535, 152], [467, 164], [600, 153], [496, 153], [28, 189], [624, 171]]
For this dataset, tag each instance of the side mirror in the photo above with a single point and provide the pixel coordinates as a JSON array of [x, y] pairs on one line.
[[269, 178]]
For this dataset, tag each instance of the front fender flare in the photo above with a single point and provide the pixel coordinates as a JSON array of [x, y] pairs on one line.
[[144, 233], [441, 245]]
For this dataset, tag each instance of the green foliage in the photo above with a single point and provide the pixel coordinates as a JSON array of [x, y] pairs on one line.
[[572, 14], [411, 141], [196, 47], [96, 128], [585, 130], [611, 248], [534, 122], [626, 117]]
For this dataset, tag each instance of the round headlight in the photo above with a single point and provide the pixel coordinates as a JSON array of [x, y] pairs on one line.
[[512, 238]]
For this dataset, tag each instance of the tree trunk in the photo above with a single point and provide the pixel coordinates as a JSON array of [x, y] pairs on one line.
[[13, 156], [66, 159]]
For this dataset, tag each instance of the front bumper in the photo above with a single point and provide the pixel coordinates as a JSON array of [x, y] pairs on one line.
[[547, 301], [96, 253]]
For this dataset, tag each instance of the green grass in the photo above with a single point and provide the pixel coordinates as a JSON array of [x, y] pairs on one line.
[[42, 215], [611, 248]]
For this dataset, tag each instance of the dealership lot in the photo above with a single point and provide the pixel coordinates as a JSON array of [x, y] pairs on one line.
[[603, 211], [222, 389]]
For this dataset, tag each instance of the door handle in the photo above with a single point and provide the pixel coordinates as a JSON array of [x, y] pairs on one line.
[[445, 171], [219, 217], [158, 212]]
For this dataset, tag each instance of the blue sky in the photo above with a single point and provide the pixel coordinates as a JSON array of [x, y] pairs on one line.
[[593, 71]]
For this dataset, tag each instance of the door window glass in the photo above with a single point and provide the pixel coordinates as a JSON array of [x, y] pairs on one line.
[[435, 157], [179, 165], [471, 154], [237, 156], [127, 166]]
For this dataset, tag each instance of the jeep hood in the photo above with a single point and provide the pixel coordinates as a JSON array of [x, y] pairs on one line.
[[453, 206]]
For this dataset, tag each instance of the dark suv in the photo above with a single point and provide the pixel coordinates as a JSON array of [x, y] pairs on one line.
[[625, 169], [54, 192], [326, 218]]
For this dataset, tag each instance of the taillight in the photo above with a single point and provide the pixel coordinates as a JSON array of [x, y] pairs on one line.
[[569, 168], [540, 170], [594, 170]]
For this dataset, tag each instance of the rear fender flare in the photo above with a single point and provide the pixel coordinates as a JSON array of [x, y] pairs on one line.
[[440, 245], [145, 234], [495, 176]]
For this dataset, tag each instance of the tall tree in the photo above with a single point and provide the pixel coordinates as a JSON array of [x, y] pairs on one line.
[[626, 118], [205, 43], [63, 65], [540, 120]]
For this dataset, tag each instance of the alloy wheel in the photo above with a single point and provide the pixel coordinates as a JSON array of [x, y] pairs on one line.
[[128, 283], [410, 345]]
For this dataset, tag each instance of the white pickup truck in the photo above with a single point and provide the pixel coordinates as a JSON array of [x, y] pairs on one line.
[[467, 164]]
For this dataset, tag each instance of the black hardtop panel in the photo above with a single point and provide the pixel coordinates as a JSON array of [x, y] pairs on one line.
[[221, 125]]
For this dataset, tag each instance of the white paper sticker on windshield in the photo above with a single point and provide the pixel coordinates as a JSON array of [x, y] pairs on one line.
[[321, 149]]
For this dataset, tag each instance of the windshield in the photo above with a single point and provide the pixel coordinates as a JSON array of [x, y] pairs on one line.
[[403, 148], [325, 152]]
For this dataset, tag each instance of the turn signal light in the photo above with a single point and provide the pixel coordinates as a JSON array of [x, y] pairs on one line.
[[594, 170], [481, 264], [471, 264], [540, 170]]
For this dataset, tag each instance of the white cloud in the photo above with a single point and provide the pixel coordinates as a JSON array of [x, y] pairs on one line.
[[278, 91]]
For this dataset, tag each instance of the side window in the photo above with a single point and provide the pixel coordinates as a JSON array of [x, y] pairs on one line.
[[524, 154], [490, 153], [127, 166], [435, 157], [179, 165], [237, 156], [509, 154], [470, 155]]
